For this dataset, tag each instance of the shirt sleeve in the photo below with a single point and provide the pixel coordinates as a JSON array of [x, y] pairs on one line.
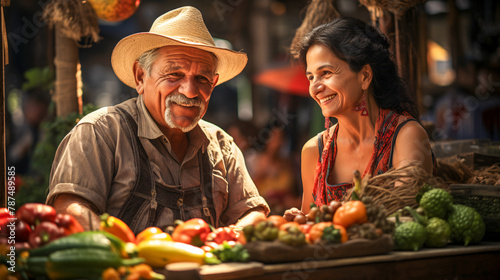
[[84, 165], [242, 192]]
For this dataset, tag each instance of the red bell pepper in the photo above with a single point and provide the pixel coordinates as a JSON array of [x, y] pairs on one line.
[[192, 232], [68, 223], [45, 233], [225, 234], [4, 216], [35, 213], [23, 231]]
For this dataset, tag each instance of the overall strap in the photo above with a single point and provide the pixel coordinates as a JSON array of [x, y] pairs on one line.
[[206, 187], [144, 190]]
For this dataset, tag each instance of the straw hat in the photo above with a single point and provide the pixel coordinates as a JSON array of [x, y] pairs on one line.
[[180, 27]]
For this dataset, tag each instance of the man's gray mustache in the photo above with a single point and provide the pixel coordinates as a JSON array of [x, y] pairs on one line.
[[183, 100]]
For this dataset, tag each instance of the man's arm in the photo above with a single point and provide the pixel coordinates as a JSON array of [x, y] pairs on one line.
[[252, 217], [83, 211]]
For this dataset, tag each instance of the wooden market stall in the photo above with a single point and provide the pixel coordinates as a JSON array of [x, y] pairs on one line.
[[452, 262]]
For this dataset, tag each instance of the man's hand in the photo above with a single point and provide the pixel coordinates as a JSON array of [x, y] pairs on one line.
[[251, 218], [79, 208]]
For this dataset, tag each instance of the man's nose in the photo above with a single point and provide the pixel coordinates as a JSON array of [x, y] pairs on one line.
[[189, 88]]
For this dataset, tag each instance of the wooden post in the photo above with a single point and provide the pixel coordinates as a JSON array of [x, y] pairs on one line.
[[4, 59], [67, 94], [453, 27]]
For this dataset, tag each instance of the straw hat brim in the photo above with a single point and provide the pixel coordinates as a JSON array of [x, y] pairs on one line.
[[129, 49]]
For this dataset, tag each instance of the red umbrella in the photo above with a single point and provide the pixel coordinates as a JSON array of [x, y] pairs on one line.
[[289, 79]]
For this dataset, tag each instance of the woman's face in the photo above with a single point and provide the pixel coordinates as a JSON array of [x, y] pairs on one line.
[[333, 85]]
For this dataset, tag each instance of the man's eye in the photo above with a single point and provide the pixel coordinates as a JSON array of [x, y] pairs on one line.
[[310, 78], [175, 74], [203, 79]]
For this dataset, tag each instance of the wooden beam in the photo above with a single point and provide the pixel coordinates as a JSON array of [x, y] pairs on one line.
[[3, 59]]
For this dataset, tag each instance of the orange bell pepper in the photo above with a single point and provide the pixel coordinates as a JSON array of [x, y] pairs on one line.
[[117, 227], [317, 232], [194, 232], [351, 212], [146, 233]]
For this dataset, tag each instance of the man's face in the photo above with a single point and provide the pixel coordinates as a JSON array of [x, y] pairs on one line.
[[177, 90]]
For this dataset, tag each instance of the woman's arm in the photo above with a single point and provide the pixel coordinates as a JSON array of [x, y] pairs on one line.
[[412, 144], [310, 155]]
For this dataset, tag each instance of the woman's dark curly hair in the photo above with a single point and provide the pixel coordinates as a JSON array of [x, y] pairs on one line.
[[358, 44]]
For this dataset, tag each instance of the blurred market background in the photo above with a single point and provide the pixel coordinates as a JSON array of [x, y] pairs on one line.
[[449, 52]]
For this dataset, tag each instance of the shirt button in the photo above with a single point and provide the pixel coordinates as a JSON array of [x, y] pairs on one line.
[[179, 202]]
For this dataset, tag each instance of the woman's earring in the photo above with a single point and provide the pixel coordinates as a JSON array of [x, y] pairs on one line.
[[361, 106]]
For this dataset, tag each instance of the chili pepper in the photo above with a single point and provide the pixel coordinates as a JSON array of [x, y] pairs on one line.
[[193, 231], [35, 213], [68, 223], [45, 233], [351, 212], [143, 235], [226, 234], [159, 253], [117, 227], [90, 262]]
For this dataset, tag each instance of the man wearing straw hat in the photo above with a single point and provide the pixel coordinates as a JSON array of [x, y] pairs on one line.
[[151, 160]]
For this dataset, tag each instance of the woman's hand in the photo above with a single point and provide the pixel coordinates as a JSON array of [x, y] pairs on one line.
[[291, 213]]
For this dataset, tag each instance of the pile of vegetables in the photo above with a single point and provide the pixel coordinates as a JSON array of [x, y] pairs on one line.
[[437, 222], [329, 224]]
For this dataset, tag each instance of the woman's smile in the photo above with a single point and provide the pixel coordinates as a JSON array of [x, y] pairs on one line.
[[328, 98]]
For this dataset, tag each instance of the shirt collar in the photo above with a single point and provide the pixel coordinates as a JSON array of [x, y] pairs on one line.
[[147, 125]]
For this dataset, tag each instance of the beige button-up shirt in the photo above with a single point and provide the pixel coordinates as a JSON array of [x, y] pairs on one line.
[[96, 162]]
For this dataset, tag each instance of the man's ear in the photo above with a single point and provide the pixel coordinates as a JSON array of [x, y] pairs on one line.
[[216, 79], [366, 76], [139, 75]]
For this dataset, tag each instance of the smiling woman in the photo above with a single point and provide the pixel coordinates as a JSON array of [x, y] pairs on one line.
[[353, 79]]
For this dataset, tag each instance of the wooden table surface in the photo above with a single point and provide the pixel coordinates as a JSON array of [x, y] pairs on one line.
[[453, 262]]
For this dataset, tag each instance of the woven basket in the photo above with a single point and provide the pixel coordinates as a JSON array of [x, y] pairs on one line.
[[394, 6], [485, 199]]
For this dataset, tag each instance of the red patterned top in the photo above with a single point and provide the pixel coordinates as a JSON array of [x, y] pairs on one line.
[[387, 127]]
